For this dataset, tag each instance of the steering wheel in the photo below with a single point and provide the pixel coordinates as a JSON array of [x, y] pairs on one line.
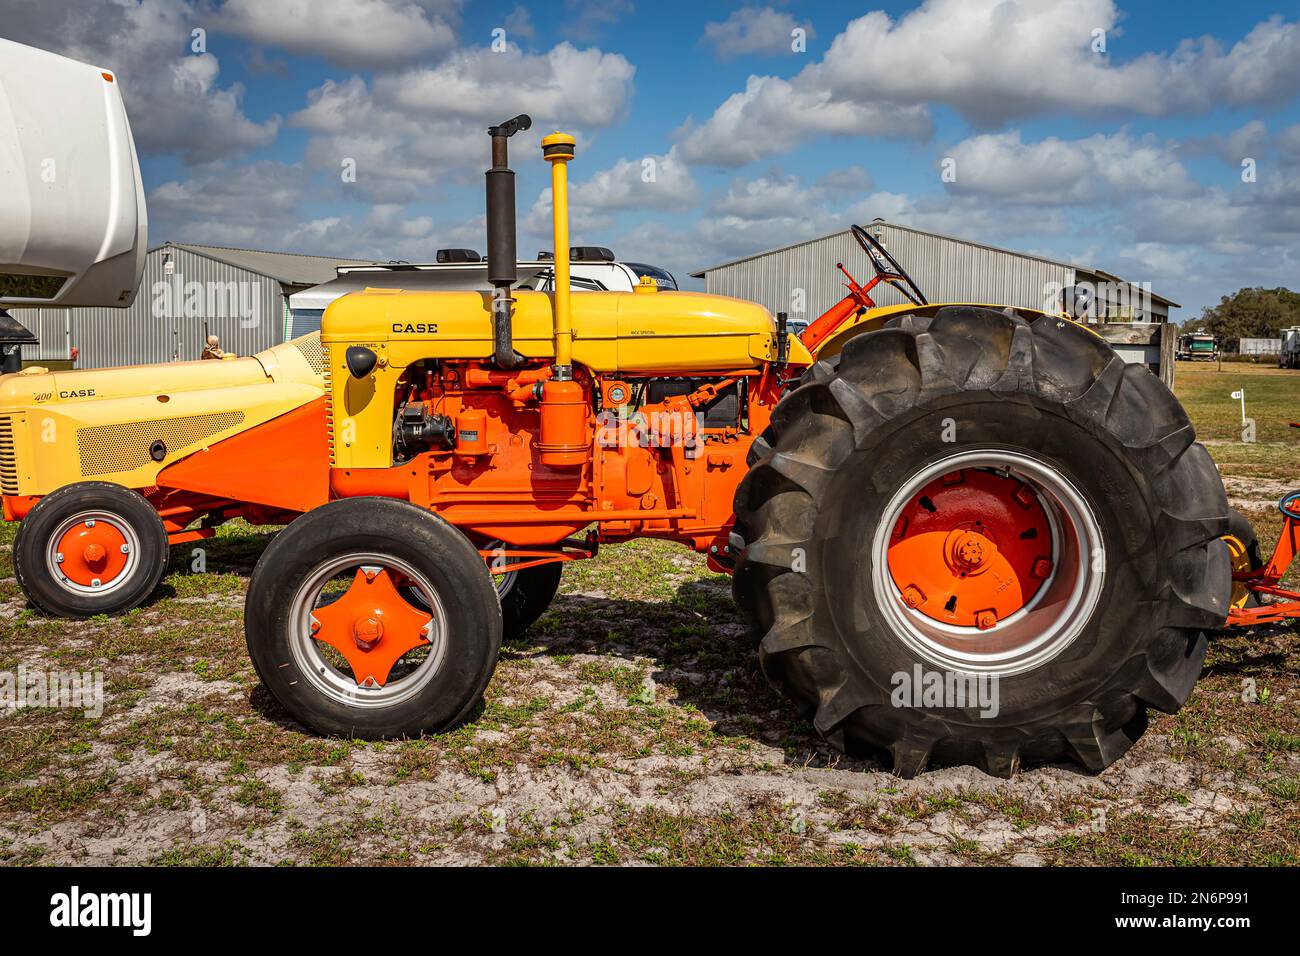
[[887, 266]]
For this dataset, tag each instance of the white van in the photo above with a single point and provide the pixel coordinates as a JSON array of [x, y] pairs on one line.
[[591, 269]]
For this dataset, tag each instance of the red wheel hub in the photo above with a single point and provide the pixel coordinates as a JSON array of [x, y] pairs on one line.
[[371, 626], [971, 548], [92, 551]]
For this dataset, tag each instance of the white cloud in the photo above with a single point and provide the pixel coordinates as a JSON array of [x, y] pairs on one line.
[[173, 95], [1053, 171], [773, 116], [590, 18], [850, 179], [994, 60], [991, 61], [1249, 216], [1253, 140], [584, 87], [350, 33], [262, 206], [761, 30], [519, 23], [657, 182], [412, 131], [1288, 142], [224, 204]]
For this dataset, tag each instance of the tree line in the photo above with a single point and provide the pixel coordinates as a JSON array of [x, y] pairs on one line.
[[1256, 313]]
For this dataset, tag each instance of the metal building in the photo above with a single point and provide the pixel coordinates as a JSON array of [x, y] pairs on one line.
[[1259, 346], [239, 295], [802, 279]]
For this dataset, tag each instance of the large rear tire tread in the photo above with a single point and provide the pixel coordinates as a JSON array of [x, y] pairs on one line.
[[1168, 584]]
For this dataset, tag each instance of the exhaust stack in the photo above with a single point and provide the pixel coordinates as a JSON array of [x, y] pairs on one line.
[[502, 260]]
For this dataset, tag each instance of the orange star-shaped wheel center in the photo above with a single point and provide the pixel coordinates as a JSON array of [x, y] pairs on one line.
[[371, 626]]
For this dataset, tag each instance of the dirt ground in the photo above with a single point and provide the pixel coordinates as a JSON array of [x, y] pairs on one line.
[[631, 725]]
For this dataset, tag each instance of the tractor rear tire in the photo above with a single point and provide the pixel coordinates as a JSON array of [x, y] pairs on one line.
[[528, 596], [288, 594], [1031, 400], [1240, 528], [90, 548]]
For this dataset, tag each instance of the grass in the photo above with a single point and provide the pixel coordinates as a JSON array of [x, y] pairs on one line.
[[629, 725], [1272, 400]]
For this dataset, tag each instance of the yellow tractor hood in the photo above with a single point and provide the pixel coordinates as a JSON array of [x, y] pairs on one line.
[[684, 332]]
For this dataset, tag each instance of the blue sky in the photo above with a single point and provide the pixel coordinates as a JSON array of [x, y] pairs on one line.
[[1106, 133]]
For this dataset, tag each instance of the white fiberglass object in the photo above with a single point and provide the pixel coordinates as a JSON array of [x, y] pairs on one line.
[[73, 230]]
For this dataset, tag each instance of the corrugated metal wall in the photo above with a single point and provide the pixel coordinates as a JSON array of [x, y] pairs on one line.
[[246, 310], [947, 270], [51, 327]]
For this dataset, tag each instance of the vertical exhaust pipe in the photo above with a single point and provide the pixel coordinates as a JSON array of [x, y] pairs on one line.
[[503, 270]]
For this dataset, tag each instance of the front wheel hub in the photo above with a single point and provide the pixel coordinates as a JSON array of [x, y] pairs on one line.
[[368, 630], [372, 626], [92, 552], [969, 551]]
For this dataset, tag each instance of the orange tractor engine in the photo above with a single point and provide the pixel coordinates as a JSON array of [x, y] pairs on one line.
[[637, 456]]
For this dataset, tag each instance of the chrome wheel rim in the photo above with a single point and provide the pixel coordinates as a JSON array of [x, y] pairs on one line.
[[1048, 623], [55, 559], [321, 669]]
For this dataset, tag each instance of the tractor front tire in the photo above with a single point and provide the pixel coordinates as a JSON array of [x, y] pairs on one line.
[[90, 548], [962, 443], [330, 587]]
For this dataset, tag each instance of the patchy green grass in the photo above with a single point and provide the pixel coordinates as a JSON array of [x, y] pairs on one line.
[[1272, 400]]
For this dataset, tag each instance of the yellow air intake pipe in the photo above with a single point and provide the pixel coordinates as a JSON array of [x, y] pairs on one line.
[[558, 150], [563, 442]]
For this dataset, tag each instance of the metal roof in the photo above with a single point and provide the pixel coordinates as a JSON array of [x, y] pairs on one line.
[[936, 235], [288, 268]]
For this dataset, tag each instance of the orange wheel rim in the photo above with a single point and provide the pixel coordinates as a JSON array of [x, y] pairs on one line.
[[367, 630], [971, 548], [93, 552]]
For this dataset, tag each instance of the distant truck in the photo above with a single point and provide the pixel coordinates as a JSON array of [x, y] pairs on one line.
[[1197, 346], [1288, 355]]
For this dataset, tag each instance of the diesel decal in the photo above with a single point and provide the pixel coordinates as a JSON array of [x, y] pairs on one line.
[[416, 328]]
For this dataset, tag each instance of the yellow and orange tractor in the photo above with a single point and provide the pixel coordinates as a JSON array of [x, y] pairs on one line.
[[960, 532]]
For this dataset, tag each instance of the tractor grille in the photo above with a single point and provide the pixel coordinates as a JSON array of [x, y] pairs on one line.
[[8, 457], [329, 397], [111, 448], [312, 351]]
